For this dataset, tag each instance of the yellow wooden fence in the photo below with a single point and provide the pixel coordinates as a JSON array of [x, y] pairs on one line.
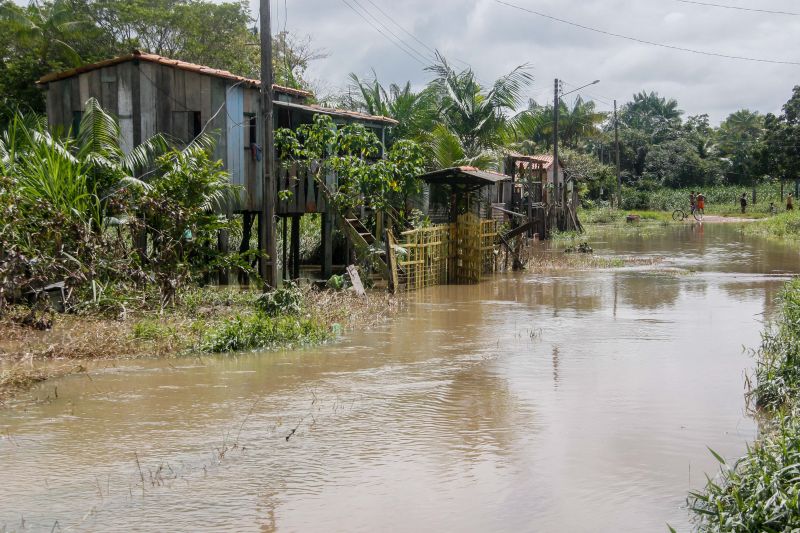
[[444, 253]]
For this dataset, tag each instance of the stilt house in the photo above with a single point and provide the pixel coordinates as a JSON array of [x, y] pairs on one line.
[[151, 94]]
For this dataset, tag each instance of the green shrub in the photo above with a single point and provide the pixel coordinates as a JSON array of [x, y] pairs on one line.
[[761, 491], [778, 364], [151, 330], [335, 282], [287, 300], [260, 331]]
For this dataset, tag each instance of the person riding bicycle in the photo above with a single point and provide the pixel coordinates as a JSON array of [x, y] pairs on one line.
[[692, 202]]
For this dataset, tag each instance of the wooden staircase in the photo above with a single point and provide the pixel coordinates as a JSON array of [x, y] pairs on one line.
[[357, 233]]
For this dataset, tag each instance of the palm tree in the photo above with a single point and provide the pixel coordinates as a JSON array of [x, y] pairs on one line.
[[579, 123], [534, 128], [47, 28], [478, 119], [77, 174], [738, 142], [413, 110], [652, 114]]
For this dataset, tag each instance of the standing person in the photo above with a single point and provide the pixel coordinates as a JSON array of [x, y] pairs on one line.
[[701, 201], [743, 201], [790, 202]]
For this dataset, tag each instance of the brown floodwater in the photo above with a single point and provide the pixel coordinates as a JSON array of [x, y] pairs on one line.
[[580, 401]]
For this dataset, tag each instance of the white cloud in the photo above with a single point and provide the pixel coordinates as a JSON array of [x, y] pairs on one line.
[[494, 38]]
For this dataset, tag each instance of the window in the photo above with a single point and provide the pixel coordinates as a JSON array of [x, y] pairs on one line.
[[197, 124], [252, 130], [76, 122]]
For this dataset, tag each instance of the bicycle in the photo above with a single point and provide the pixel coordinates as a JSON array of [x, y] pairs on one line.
[[679, 215]]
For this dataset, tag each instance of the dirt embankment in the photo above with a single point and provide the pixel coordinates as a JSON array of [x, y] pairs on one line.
[[75, 342]]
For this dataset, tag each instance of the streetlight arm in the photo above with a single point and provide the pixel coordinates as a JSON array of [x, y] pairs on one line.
[[595, 82]]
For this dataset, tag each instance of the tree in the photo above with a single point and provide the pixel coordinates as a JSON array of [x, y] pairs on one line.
[[780, 151], [477, 118], [414, 111], [291, 55], [35, 40], [676, 163], [738, 144], [647, 120]]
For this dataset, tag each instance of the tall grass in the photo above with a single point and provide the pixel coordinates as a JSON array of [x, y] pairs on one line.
[[718, 197], [785, 225], [761, 491]]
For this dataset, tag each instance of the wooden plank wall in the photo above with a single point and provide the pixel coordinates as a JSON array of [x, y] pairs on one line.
[[306, 195], [253, 177], [235, 132], [148, 98]]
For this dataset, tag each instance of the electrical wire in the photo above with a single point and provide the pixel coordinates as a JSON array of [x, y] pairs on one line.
[[425, 45], [409, 54], [399, 39], [740, 8], [643, 41]]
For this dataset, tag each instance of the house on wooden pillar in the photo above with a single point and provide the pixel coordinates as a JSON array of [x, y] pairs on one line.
[[152, 94], [542, 190]]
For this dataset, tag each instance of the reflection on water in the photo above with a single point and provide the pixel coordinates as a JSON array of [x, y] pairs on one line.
[[573, 402]]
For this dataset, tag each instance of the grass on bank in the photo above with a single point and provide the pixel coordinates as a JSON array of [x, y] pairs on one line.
[[761, 491], [210, 320], [785, 225]]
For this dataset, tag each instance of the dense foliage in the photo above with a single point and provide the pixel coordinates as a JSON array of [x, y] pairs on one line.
[[81, 212], [352, 153], [54, 35]]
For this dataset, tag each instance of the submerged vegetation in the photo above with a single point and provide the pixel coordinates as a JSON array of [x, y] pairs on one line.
[[761, 491]]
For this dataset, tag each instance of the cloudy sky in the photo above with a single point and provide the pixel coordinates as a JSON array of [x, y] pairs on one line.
[[361, 35]]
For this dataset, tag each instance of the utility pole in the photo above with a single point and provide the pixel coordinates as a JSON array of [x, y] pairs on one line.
[[266, 227], [616, 145], [556, 101]]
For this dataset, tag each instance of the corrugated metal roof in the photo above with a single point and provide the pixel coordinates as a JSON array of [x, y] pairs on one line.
[[347, 113], [464, 176], [175, 63]]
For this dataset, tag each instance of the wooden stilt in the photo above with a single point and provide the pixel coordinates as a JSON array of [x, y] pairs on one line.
[[296, 246]]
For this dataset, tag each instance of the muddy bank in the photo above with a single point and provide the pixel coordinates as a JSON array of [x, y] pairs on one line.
[[200, 323]]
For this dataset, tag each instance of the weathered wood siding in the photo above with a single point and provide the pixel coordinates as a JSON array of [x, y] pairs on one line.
[[235, 130], [149, 98]]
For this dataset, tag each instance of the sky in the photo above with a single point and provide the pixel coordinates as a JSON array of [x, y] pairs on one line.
[[494, 38]]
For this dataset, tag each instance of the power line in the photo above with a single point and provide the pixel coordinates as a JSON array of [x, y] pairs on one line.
[[400, 39], [431, 50], [425, 45], [374, 27], [740, 8], [643, 41]]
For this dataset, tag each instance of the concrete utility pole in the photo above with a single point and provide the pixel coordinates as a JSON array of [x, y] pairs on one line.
[[266, 225], [616, 144], [556, 101]]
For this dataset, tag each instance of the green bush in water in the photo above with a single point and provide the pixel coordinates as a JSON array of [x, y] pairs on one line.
[[778, 365], [761, 491], [288, 300], [260, 331]]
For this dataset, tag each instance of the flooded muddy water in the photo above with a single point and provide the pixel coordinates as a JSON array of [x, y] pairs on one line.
[[581, 401]]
